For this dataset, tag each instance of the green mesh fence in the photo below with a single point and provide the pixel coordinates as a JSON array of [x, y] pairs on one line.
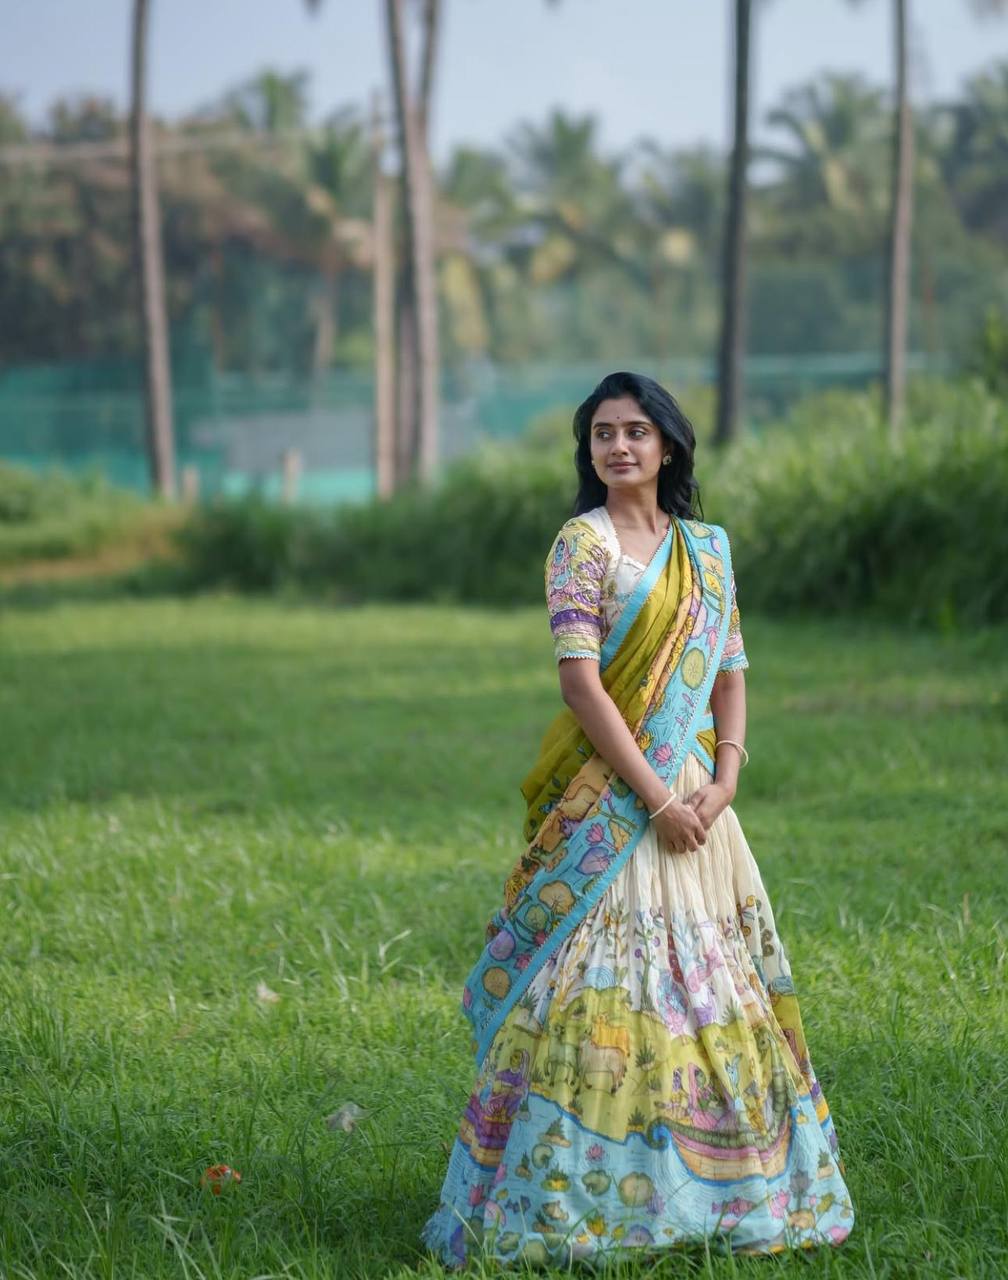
[[235, 428]]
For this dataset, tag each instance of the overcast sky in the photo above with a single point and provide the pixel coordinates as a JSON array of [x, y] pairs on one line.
[[657, 67]]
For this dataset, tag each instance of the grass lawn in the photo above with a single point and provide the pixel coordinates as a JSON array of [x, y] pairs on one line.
[[247, 851]]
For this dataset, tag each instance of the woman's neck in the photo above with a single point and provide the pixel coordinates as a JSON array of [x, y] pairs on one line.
[[637, 511]]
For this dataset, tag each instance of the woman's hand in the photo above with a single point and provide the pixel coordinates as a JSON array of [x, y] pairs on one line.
[[710, 800], [680, 827]]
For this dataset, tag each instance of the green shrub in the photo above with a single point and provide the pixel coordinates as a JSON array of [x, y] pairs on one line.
[[248, 544], [829, 517], [481, 535], [989, 358], [45, 515], [822, 513]]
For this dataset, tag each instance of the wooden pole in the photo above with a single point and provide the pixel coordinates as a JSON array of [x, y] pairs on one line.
[[190, 484], [291, 475]]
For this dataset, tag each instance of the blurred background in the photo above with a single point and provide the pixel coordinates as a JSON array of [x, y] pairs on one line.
[[296, 303], [318, 253]]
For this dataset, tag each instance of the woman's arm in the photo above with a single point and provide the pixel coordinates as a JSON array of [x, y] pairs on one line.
[[609, 734], [728, 707]]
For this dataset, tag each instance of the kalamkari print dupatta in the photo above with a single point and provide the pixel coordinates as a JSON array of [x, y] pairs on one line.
[[658, 664]]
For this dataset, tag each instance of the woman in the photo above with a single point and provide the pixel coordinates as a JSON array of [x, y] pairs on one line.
[[643, 1075]]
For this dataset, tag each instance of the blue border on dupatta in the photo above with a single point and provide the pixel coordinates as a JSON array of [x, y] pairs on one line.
[[677, 717]]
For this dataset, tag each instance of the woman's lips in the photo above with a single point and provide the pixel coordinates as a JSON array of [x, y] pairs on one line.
[[621, 466]]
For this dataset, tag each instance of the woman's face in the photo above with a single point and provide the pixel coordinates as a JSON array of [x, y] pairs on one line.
[[626, 446]]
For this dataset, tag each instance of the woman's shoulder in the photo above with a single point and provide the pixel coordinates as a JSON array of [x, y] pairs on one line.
[[593, 521], [588, 534]]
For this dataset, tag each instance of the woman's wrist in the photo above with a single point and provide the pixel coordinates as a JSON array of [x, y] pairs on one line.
[[730, 786], [659, 796], [727, 763], [661, 806], [655, 791]]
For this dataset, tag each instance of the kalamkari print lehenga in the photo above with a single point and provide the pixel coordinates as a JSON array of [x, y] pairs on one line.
[[643, 1081]]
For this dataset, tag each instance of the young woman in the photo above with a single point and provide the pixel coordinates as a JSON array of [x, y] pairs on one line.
[[643, 1077]]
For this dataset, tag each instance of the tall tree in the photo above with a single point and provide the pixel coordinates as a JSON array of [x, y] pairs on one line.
[[836, 128], [901, 215], [383, 306], [974, 151], [421, 335], [733, 286], [900, 219], [150, 268]]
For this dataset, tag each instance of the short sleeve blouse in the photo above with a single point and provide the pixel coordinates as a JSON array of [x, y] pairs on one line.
[[589, 580], [576, 570]]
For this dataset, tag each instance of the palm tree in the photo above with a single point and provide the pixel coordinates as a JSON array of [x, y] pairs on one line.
[[974, 152], [900, 217], [383, 307], [733, 290], [270, 102], [148, 251], [901, 213], [419, 331], [574, 202], [834, 126]]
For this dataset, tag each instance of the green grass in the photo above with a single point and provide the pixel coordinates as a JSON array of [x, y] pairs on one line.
[[197, 797]]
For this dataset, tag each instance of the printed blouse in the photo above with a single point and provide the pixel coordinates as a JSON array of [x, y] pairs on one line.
[[589, 580]]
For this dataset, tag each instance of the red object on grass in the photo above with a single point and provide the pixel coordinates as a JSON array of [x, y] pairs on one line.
[[218, 1176]]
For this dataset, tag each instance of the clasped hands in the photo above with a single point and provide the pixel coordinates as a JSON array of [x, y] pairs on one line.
[[684, 823]]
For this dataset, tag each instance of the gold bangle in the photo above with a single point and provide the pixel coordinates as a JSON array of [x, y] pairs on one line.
[[732, 743]]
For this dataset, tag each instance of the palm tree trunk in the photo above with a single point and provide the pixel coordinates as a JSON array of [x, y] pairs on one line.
[[733, 289], [383, 294], [407, 435], [147, 248], [901, 213], [418, 203], [431, 19]]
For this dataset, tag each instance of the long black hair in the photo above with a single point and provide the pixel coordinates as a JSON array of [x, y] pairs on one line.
[[678, 491]]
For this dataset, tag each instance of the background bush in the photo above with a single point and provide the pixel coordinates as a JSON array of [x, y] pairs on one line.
[[46, 515], [822, 514], [834, 520]]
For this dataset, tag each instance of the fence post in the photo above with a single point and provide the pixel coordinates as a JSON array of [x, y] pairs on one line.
[[291, 475], [190, 484]]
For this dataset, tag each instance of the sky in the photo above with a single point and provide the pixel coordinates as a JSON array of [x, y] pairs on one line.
[[643, 67]]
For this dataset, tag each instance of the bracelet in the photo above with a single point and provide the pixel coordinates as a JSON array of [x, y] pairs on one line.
[[732, 743], [672, 796]]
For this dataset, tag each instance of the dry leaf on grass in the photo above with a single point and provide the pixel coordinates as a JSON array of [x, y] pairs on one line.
[[346, 1117]]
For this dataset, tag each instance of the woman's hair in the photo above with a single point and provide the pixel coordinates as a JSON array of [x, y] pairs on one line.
[[678, 491]]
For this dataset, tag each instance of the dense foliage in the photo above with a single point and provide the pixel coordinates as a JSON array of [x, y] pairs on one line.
[[550, 248], [827, 516], [821, 512], [55, 514]]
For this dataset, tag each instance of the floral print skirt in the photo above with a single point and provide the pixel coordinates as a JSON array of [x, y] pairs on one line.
[[653, 1087]]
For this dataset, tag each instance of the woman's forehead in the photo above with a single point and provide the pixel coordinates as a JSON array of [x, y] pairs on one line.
[[621, 409]]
